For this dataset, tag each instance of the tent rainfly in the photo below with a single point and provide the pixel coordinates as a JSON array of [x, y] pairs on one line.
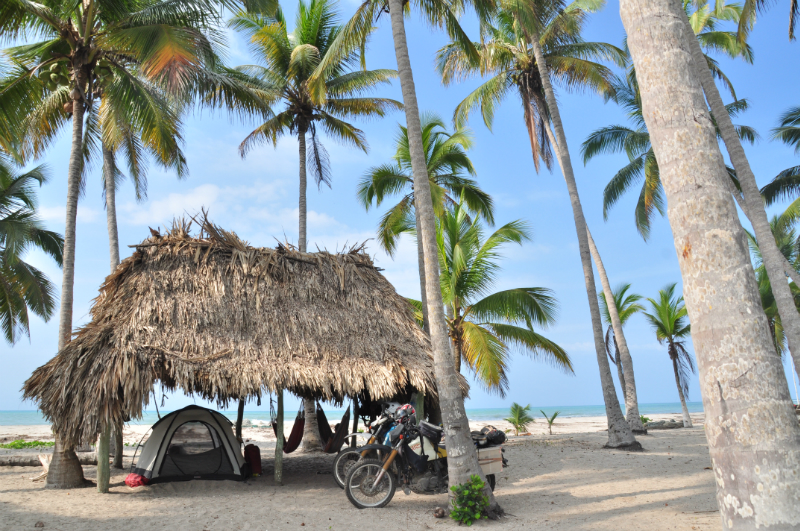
[[217, 318]]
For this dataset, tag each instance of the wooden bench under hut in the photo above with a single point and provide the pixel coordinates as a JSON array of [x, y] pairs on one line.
[[219, 319]]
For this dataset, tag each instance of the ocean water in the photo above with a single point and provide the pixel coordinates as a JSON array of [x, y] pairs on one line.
[[261, 418]]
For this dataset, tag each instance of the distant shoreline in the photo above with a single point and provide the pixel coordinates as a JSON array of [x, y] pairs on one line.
[[34, 418]]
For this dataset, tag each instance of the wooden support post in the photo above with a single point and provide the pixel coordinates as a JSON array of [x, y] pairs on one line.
[[356, 411], [279, 443], [420, 406], [119, 445], [103, 468], [239, 416]]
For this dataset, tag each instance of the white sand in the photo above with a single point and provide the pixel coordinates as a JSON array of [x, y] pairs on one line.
[[565, 481]]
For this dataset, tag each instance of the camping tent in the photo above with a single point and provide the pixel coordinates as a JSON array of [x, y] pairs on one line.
[[191, 443]]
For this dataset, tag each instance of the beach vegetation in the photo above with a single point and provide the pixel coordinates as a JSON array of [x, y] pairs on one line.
[[550, 420], [485, 326], [644, 419], [469, 502], [21, 444], [520, 418]]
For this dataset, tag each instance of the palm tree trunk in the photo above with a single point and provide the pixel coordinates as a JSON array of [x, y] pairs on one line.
[[753, 435], [113, 252], [624, 361], [772, 257], [103, 469], [311, 440], [65, 470], [619, 432], [423, 297], [620, 373], [462, 461], [687, 420]]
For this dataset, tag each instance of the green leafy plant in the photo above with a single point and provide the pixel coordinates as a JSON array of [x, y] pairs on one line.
[[550, 420], [19, 444], [470, 503], [520, 418], [644, 419]]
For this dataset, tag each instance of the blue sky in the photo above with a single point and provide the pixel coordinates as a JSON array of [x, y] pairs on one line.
[[257, 198]]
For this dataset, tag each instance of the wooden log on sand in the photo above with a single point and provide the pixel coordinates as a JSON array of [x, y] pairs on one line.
[[33, 460]]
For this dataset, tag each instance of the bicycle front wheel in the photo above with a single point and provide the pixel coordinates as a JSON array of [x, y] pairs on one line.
[[363, 488]]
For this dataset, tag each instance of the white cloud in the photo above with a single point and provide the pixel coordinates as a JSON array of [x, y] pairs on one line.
[[59, 214]]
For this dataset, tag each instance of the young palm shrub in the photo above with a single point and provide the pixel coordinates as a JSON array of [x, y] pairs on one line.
[[287, 61], [520, 418], [447, 162], [484, 326], [23, 288], [79, 45], [550, 420], [669, 320], [627, 305]]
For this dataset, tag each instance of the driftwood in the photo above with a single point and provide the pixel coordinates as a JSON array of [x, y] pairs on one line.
[[32, 460]]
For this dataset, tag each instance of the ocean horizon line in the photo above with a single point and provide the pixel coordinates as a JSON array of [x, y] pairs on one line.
[[33, 417]]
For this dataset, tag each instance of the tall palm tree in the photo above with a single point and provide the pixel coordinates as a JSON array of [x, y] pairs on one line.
[[669, 320], [739, 370], [23, 288], [627, 305], [485, 325], [531, 38], [786, 185], [507, 55], [287, 61], [642, 165], [463, 462], [447, 162], [749, 199], [169, 41]]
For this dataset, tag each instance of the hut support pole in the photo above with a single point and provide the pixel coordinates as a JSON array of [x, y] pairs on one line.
[[119, 445], [355, 421], [103, 468], [420, 406], [279, 443], [239, 417]]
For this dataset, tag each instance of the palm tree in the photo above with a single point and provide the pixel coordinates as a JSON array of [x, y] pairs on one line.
[[642, 165], [670, 323], [535, 29], [463, 462], [750, 9], [786, 185], [287, 62], [507, 55], [520, 418], [735, 355], [484, 326], [23, 288], [447, 162], [168, 41], [627, 305]]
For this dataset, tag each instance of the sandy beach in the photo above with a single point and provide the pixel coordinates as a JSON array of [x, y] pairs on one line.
[[562, 481]]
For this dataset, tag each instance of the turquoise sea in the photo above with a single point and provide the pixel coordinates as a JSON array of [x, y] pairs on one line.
[[260, 417]]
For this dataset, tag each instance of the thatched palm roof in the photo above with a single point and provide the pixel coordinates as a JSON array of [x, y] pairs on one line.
[[213, 316]]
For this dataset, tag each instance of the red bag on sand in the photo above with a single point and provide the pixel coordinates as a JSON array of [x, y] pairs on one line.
[[252, 456], [135, 480]]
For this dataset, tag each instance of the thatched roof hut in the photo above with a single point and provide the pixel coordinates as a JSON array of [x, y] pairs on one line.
[[215, 317]]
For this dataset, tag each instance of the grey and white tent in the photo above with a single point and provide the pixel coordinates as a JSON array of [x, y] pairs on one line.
[[191, 443]]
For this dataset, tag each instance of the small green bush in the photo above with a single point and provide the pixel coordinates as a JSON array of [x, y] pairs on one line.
[[470, 503], [644, 419], [20, 444]]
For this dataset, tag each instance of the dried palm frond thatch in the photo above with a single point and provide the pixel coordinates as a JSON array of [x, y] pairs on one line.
[[216, 317]]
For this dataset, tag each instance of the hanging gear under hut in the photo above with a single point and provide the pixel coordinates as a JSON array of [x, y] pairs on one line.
[[219, 319]]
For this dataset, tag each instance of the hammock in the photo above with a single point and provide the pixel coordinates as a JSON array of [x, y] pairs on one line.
[[297, 430], [332, 441]]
